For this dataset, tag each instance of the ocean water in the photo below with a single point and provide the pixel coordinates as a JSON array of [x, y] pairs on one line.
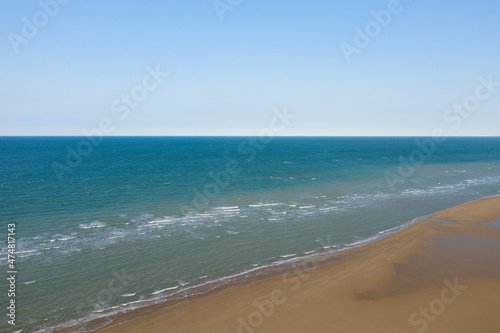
[[107, 226]]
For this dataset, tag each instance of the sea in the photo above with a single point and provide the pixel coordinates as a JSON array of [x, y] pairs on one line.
[[106, 226]]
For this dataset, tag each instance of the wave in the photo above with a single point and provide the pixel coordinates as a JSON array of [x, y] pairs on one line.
[[265, 205], [29, 282], [29, 255], [62, 239], [163, 290], [95, 224]]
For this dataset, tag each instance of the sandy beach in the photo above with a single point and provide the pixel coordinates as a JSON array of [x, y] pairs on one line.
[[441, 274]]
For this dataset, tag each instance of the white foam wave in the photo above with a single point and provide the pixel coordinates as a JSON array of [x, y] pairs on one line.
[[29, 282], [265, 205], [29, 251], [65, 238], [328, 209], [95, 224], [29, 255], [163, 290], [114, 237]]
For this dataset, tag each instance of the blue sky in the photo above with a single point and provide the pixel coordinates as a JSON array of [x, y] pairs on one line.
[[225, 77]]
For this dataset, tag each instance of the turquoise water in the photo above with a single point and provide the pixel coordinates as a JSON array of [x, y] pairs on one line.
[[106, 227]]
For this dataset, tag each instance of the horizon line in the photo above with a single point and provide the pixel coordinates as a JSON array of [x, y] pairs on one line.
[[245, 136]]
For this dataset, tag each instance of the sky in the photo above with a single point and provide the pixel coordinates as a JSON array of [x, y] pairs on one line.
[[228, 67]]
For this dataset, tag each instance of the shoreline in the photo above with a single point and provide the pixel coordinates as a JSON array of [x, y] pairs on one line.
[[121, 313], [297, 273]]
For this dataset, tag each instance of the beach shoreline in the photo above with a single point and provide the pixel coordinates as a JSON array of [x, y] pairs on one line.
[[396, 275]]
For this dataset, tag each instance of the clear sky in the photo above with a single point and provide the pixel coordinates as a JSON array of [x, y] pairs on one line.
[[65, 66]]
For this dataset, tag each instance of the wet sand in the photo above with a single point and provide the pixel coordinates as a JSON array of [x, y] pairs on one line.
[[441, 274]]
